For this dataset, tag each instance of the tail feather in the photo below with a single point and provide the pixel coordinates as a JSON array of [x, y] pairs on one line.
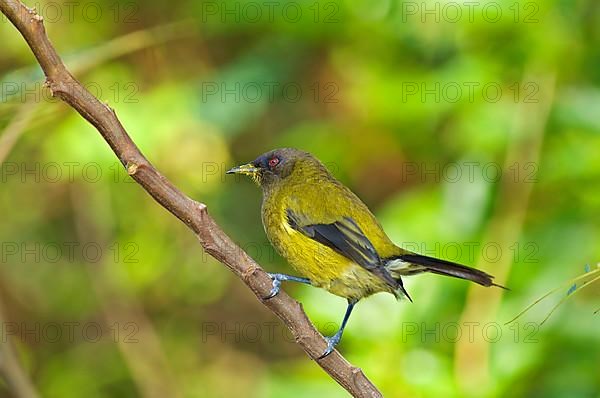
[[410, 264]]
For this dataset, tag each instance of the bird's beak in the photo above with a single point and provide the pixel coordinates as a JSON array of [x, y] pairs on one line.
[[247, 169]]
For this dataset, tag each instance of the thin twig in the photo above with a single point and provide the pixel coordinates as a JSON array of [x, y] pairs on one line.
[[192, 213], [556, 289]]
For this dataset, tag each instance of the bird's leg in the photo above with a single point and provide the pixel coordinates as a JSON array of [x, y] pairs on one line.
[[278, 278], [335, 339]]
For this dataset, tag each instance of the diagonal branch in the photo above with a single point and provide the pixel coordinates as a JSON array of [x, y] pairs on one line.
[[192, 213]]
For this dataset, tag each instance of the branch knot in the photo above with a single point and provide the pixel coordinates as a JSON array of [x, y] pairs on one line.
[[132, 168]]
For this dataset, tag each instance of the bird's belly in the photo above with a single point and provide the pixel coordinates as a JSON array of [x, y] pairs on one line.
[[325, 267], [356, 283]]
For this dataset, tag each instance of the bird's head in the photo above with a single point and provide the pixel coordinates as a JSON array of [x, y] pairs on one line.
[[274, 166]]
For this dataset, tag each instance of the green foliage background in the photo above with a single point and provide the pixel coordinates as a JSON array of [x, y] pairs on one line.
[[176, 323]]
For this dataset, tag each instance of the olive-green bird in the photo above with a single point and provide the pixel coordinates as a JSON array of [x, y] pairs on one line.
[[330, 236]]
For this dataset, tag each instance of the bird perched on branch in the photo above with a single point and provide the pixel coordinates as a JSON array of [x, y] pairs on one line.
[[330, 237]]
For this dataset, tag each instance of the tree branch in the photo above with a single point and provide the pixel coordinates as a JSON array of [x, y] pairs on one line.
[[194, 214]]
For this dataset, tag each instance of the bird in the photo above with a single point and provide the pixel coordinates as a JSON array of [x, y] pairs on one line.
[[331, 238]]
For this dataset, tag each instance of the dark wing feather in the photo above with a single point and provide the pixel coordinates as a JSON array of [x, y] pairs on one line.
[[346, 238]]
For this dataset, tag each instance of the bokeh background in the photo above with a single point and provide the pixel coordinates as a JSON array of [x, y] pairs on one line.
[[471, 131]]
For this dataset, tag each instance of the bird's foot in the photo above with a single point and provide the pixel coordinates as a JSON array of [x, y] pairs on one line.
[[331, 343], [278, 278]]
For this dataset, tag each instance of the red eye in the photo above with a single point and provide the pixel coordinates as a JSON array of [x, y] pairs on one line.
[[273, 162]]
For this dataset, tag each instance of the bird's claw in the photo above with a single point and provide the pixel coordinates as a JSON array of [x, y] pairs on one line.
[[278, 278], [331, 343], [276, 285]]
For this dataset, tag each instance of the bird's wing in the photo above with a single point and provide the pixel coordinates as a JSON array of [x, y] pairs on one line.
[[346, 238]]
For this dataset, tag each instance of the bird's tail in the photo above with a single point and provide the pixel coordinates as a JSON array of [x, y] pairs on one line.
[[411, 264]]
